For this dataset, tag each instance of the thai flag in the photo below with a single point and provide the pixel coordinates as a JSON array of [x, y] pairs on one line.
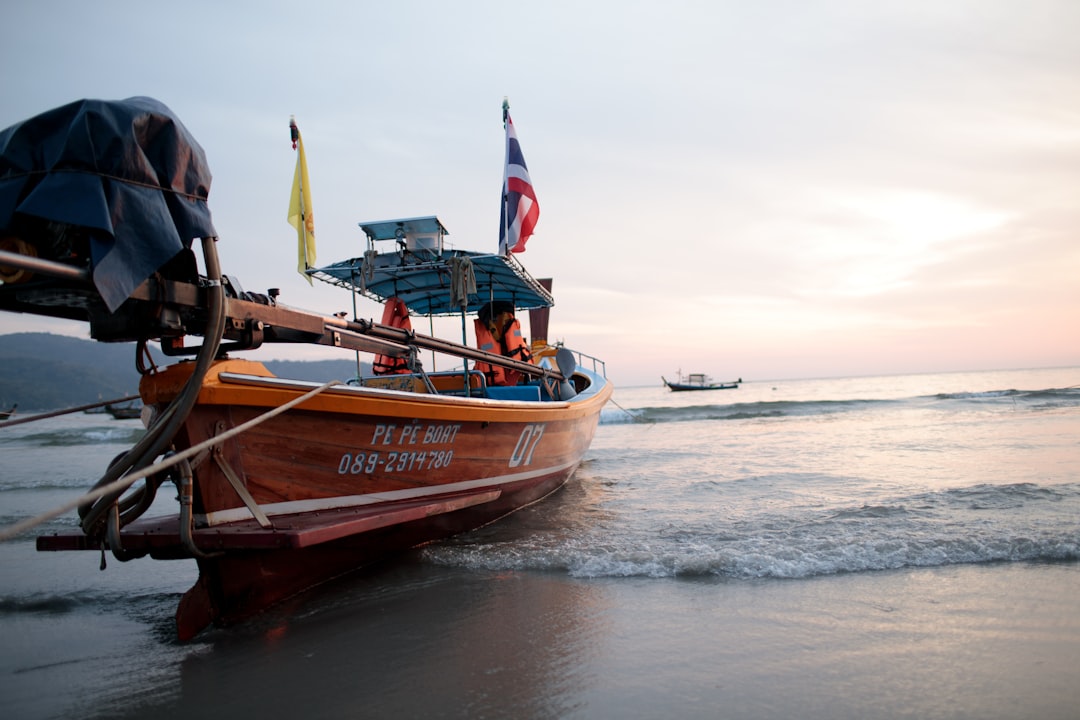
[[520, 211]]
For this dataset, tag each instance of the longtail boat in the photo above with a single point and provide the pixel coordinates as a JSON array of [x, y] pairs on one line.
[[124, 412], [281, 484], [698, 381]]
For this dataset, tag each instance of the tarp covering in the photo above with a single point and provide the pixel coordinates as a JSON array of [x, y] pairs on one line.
[[126, 170]]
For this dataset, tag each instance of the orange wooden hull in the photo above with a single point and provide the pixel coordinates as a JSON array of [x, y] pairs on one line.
[[346, 478], [356, 446]]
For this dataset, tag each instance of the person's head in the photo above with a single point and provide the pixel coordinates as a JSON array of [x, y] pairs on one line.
[[497, 316]]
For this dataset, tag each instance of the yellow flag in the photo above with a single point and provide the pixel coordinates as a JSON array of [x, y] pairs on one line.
[[301, 215]]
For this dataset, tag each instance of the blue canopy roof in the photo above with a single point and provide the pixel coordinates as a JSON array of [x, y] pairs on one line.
[[398, 229], [423, 280]]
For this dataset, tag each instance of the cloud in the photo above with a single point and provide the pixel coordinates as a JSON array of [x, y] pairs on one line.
[[800, 188]]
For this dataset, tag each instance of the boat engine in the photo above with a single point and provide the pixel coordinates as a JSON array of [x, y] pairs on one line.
[[100, 202]]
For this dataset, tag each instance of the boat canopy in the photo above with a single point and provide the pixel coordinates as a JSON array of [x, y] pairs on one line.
[[127, 172], [431, 279]]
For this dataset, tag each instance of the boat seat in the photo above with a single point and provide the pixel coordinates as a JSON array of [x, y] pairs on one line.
[[450, 383], [406, 383], [445, 383], [514, 392]]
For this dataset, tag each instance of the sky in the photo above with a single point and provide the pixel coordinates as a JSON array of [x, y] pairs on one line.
[[766, 190]]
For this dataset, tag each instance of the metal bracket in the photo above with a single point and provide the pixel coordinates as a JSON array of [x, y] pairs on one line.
[[238, 484]]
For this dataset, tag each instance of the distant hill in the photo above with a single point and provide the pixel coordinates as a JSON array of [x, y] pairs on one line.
[[42, 371]]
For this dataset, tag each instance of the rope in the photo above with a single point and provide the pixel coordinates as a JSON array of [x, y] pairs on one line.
[[54, 413], [109, 176], [633, 417], [127, 480], [163, 429]]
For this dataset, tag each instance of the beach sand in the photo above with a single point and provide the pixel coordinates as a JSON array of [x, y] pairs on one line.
[[412, 640]]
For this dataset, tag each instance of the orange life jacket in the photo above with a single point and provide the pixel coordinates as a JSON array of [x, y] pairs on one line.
[[495, 374], [514, 344], [395, 314], [511, 345]]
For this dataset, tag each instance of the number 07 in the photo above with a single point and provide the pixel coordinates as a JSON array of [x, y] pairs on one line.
[[526, 445]]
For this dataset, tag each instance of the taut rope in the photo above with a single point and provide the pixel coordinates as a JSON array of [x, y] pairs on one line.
[[127, 480], [54, 413]]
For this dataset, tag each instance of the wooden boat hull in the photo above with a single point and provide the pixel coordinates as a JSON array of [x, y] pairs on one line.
[[342, 480], [357, 446], [236, 585]]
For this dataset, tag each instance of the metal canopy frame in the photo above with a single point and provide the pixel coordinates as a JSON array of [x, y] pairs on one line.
[[422, 276]]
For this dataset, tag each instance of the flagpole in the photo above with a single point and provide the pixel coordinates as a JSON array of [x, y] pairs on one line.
[[505, 236], [299, 141], [294, 133], [520, 209], [303, 223], [303, 218]]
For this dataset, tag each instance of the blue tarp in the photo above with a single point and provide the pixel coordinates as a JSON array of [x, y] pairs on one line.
[[128, 171]]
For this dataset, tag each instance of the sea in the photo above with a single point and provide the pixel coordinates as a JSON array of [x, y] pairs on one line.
[[869, 547]]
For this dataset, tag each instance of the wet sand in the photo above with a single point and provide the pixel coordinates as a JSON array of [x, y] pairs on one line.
[[411, 640]]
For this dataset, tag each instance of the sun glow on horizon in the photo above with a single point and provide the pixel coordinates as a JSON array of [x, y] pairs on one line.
[[888, 237]]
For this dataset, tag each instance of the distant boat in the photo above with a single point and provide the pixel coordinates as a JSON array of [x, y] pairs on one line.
[[124, 412], [99, 408], [699, 381], [6, 414]]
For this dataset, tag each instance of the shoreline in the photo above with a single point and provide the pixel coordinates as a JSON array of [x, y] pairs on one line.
[[410, 639]]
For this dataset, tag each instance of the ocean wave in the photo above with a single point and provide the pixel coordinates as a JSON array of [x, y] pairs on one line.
[[997, 497], [59, 523], [39, 604], [150, 605], [71, 437], [771, 409], [618, 416], [1054, 397], [757, 558], [977, 524], [988, 394], [737, 411], [871, 511], [48, 483]]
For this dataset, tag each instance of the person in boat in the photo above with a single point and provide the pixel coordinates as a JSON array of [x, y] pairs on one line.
[[499, 332]]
